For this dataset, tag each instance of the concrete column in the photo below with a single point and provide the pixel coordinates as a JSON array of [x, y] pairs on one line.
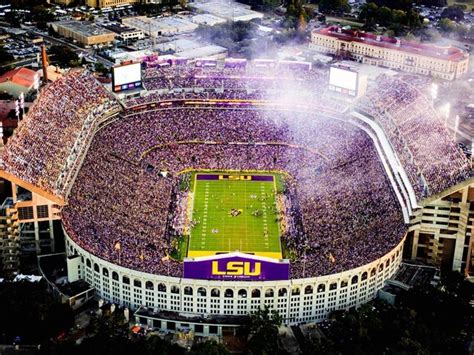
[[414, 247]]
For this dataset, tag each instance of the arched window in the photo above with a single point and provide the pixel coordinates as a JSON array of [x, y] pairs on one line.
[[105, 272], [364, 276], [242, 293], [215, 292], [372, 272], [88, 263], [354, 280], [269, 292], [321, 288], [229, 293], [381, 267], [115, 276], [387, 263], [96, 268], [162, 287], [282, 292], [188, 291], [149, 285], [308, 290], [295, 291], [343, 283], [174, 289], [333, 286], [202, 292], [137, 283], [255, 293], [126, 280]]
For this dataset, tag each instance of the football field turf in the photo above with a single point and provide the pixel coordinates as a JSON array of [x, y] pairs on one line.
[[236, 212]]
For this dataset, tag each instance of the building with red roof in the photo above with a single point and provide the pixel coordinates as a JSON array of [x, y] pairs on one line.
[[427, 59], [19, 80]]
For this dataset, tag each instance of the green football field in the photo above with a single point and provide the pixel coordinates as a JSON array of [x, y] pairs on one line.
[[236, 212]]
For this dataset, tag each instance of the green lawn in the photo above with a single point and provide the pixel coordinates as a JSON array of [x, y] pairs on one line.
[[253, 229]]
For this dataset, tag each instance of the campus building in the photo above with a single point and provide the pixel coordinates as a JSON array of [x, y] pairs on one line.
[[84, 32], [444, 62], [109, 3]]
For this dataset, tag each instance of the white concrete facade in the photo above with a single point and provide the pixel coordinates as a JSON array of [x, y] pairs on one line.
[[298, 300]]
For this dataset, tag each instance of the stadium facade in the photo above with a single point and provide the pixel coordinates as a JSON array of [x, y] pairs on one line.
[[434, 200]]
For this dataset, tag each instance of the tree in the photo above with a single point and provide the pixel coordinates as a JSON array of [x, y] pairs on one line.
[[368, 13], [262, 331], [424, 320], [31, 313], [5, 57], [301, 22], [334, 6], [63, 56], [41, 15], [446, 25], [454, 13], [384, 16], [210, 348]]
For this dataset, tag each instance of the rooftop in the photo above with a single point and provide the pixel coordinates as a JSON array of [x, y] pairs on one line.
[[228, 10], [20, 76], [431, 50], [85, 28], [183, 317], [410, 275]]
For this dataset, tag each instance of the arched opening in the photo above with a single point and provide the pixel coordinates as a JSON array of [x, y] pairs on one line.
[[229, 293], [269, 292], [149, 285], [115, 276], [321, 288], [105, 272], [355, 279], [188, 290], [255, 293], [137, 283], [201, 291], [215, 292], [308, 290], [282, 292], [162, 287]]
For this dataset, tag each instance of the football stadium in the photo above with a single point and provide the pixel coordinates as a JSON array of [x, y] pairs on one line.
[[225, 186]]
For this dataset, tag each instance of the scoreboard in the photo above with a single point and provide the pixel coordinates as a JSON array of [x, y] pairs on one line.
[[343, 80], [126, 77]]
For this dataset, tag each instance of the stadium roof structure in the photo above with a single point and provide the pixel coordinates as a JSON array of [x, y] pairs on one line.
[[447, 53]]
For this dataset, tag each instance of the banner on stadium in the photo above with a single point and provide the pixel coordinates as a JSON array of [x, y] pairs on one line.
[[236, 267]]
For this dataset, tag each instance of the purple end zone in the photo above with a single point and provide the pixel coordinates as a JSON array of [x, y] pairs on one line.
[[207, 177], [234, 177]]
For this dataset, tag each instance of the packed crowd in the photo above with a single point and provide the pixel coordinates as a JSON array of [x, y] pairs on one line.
[[344, 212], [250, 82], [47, 141], [428, 153]]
